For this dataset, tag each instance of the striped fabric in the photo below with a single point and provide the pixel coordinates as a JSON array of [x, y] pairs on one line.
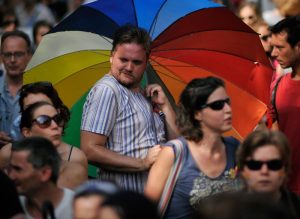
[[126, 117]]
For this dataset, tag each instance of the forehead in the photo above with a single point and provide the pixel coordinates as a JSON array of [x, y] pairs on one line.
[[217, 94], [33, 98], [131, 50], [266, 152], [19, 157], [14, 42], [45, 110]]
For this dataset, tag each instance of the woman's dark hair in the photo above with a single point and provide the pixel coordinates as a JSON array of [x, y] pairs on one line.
[[44, 87], [37, 25], [261, 138], [191, 99], [27, 114]]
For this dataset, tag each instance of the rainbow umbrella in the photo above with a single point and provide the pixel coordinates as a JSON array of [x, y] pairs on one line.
[[190, 39]]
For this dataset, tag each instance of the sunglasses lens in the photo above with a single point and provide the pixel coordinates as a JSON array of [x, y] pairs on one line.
[[254, 165], [271, 164], [275, 164], [43, 121], [58, 120], [218, 105]]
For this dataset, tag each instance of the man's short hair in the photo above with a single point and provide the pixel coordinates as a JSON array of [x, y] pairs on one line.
[[42, 153], [132, 34], [291, 25], [16, 33]]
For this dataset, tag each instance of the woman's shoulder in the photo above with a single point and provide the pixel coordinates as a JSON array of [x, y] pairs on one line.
[[77, 155]]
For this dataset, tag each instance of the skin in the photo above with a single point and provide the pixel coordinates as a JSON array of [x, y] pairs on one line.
[[34, 98], [108, 213], [128, 63], [87, 207], [245, 13], [285, 54], [263, 30], [34, 183], [264, 180], [209, 154], [40, 33]]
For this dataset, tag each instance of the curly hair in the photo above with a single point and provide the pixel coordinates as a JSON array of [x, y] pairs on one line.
[[191, 99]]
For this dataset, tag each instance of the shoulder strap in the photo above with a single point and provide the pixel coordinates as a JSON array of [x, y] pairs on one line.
[[172, 178], [273, 97]]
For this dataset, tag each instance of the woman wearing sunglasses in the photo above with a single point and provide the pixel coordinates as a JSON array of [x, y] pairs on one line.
[[264, 161], [44, 91], [208, 161], [43, 119]]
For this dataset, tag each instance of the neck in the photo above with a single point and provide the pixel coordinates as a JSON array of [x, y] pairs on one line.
[[296, 72], [14, 84], [49, 192], [211, 142]]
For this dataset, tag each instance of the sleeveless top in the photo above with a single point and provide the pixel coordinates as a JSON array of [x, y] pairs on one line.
[[193, 185]]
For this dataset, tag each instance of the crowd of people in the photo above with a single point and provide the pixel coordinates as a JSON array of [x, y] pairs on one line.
[[153, 160]]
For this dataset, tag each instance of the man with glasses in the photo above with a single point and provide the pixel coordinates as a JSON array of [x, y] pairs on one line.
[[15, 53], [264, 162]]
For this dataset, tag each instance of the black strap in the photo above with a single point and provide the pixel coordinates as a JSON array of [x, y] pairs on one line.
[[273, 100]]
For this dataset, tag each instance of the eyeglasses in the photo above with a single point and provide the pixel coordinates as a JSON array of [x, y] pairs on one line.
[[44, 121], [36, 84], [265, 37], [274, 165], [217, 105], [16, 55]]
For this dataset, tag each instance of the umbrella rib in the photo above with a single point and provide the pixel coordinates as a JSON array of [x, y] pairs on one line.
[[135, 15], [200, 49], [153, 24]]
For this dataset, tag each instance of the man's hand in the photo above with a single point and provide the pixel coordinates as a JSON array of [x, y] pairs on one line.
[[157, 94], [151, 156], [4, 138]]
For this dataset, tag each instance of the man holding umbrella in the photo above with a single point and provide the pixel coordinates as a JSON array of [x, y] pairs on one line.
[[121, 130]]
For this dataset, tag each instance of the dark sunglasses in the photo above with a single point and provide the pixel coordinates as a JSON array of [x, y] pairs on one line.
[[274, 165], [36, 84], [217, 105], [265, 37], [44, 121]]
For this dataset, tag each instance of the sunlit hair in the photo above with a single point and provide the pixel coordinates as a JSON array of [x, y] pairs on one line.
[[132, 34], [42, 154], [194, 96], [261, 138]]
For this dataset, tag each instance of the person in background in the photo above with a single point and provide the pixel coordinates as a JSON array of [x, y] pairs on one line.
[[285, 104], [40, 28], [15, 54], [43, 119], [208, 159], [264, 162], [128, 204], [250, 14], [34, 168], [89, 197], [120, 130]]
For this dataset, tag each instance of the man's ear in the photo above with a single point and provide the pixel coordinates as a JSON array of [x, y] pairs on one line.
[[26, 132], [45, 173]]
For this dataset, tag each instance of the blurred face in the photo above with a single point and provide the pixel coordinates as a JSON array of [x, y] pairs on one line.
[[265, 38], [15, 56], [87, 207], [283, 52], [24, 175], [34, 98], [264, 179], [40, 33], [216, 120], [247, 14], [128, 63], [53, 132], [108, 213]]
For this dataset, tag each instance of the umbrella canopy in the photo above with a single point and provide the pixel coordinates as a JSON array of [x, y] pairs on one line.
[[190, 39]]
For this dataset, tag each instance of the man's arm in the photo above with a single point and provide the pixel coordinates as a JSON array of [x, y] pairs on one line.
[[93, 145], [158, 97]]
